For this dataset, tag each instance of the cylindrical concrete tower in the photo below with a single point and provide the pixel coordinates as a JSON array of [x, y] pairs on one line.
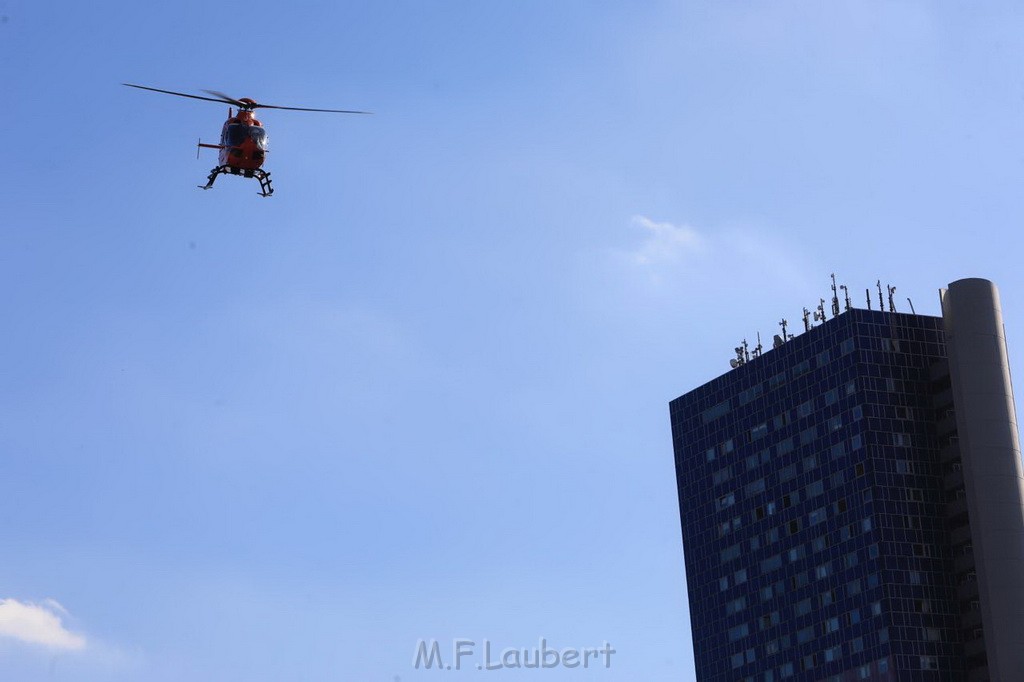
[[990, 452]]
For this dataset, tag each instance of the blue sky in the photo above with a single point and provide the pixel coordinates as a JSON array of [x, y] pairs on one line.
[[421, 392]]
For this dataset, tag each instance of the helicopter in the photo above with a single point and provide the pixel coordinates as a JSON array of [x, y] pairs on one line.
[[243, 140]]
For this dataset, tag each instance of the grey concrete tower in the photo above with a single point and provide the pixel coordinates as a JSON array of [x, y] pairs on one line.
[[990, 450]]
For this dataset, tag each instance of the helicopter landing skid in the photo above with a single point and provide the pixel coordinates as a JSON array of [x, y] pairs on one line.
[[263, 176]]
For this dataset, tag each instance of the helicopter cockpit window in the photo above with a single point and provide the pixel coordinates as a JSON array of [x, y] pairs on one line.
[[259, 136], [237, 134]]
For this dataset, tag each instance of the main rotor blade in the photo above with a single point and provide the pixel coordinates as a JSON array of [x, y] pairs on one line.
[[330, 111], [227, 98], [180, 94]]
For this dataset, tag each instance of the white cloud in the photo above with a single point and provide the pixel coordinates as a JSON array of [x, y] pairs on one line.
[[665, 242], [38, 624]]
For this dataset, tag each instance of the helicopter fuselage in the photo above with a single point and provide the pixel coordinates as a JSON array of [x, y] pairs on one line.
[[243, 142]]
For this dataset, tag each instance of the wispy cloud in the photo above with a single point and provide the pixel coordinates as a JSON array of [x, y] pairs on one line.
[[670, 252], [38, 624], [665, 242]]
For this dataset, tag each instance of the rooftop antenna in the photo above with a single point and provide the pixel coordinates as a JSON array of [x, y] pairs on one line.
[[740, 358], [911, 305], [746, 352], [820, 314], [881, 304], [807, 320], [757, 348], [892, 304], [785, 337], [835, 297], [867, 294], [846, 293]]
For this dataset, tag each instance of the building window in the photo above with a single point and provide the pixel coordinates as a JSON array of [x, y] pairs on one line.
[[735, 606], [713, 413], [738, 632], [805, 409], [749, 394], [730, 553], [815, 488]]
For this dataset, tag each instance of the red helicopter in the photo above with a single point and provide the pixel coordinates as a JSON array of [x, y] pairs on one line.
[[243, 140]]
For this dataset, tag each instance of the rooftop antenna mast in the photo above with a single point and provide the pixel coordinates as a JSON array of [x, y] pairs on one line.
[[820, 314], [867, 294], [835, 297], [807, 320], [757, 348], [881, 303], [742, 356], [892, 304], [911, 305], [846, 293]]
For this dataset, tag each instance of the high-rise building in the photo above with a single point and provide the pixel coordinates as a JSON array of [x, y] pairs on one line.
[[852, 502]]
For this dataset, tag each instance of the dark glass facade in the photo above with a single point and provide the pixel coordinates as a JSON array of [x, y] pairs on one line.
[[816, 493]]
